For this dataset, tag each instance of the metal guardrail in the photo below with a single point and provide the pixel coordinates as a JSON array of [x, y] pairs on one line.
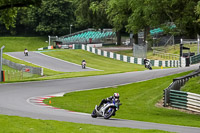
[[21, 67], [185, 100], [195, 59], [175, 86], [166, 55]]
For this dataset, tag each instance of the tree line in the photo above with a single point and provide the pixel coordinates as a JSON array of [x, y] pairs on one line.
[[54, 17]]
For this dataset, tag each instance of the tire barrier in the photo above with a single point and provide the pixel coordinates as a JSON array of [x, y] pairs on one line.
[[173, 97], [185, 100]]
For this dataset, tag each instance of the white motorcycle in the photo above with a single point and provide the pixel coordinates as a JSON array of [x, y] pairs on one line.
[[148, 65], [83, 65], [107, 110], [26, 52]]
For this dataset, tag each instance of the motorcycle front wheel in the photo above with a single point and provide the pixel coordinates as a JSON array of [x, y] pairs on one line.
[[94, 114], [108, 113]]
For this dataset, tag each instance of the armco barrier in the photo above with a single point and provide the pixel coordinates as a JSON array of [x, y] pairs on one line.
[[33, 70], [185, 100], [195, 59], [157, 63], [180, 99]]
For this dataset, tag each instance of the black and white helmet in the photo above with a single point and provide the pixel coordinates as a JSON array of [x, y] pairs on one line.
[[116, 95]]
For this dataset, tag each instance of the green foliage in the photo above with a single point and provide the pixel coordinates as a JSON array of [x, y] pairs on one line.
[[55, 17], [52, 17], [8, 10], [8, 17], [118, 12], [91, 14], [83, 13]]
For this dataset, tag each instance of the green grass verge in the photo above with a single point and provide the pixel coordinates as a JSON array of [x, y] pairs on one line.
[[138, 101], [13, 44], [14, 124], [193, 85]]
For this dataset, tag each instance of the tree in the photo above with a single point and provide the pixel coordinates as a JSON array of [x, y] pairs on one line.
[[53, 17], [8, 10], [83, 13], [7, 4], [91, 13], [118, 12]]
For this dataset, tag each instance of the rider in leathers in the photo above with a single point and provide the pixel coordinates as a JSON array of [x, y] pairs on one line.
[[109, 99]]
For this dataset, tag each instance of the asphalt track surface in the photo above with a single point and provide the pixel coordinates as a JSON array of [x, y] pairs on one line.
[[15, 98], [52, 63]]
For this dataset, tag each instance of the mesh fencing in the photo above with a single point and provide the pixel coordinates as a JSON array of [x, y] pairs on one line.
[[140, 51], [15, 75]]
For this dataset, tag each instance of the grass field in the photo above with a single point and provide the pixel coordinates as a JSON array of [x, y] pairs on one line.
[[193, 85], [14, 124], [13, 44], [138, 101]]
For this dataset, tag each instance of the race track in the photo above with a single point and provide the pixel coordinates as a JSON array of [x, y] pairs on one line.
[[52, 63], [15, 98]]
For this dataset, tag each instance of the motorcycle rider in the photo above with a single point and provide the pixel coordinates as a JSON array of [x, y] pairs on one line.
[[83, 63], [145, 62], [26, 52], [109, 99]]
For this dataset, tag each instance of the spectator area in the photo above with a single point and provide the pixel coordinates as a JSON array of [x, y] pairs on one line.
[[87, 36]]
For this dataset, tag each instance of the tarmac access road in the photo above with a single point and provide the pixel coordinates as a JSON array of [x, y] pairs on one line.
[[49, 62], [15, 98]]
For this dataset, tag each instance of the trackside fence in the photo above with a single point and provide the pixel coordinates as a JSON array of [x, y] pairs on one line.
[[195, 59], [179, 99], [16, 75], [140, 61], [21, 67]]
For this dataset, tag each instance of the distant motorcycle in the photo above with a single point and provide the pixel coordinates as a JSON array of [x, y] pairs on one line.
[[83, 65], [148, 65], [107, 110], [26, 53]]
